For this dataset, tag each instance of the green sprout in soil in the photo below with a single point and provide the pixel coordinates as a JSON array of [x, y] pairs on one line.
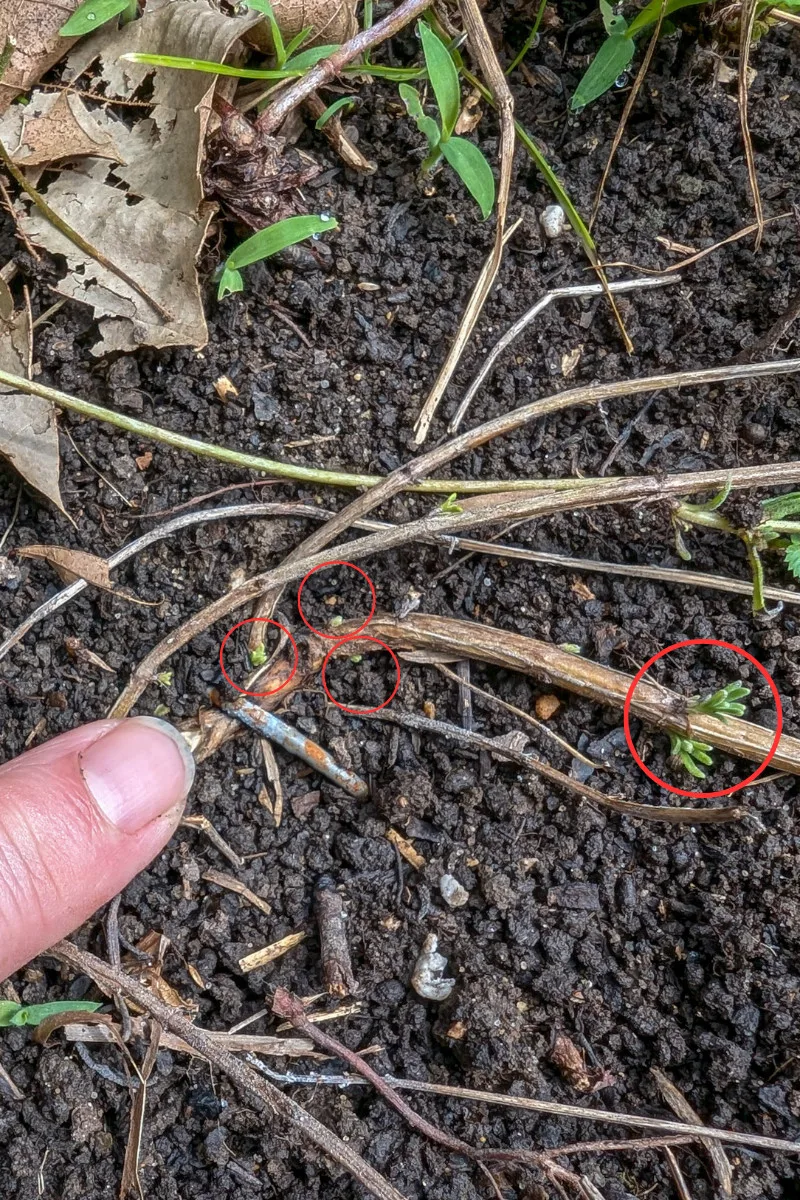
[[722, 704], [258, 655], [451, 505], [93, 13], [609, 65], [283, 52], [690, 753], [270, 241], [34, 1014], [466, 159], [774, 532]]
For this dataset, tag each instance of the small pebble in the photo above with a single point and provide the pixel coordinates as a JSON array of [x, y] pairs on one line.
[[427, 979], [547, 706], [10, 574], [454, 894], [553, 220]]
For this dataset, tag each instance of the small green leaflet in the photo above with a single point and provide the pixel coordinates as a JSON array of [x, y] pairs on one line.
[[267, 242], [780, 507], [468, 161], [649, 14], [426, 125], [265, 8], [34, 1014], [332, 109], [91, 15], [310, 58], [792, 556], [613, 57], [443, 77]]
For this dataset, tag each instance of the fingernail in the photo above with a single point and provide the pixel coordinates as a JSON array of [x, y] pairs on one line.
[[138, 771]]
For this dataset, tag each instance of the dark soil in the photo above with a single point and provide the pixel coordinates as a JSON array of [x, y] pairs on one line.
[[679, 947]]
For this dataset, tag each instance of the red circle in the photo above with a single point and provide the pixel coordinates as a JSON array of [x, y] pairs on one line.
[[265, 621], [725, 646], [361, 638], [336, 562]]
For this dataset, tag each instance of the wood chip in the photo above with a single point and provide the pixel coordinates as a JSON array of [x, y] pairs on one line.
[[235, 885], [275, 807], [409, 853], [547, 706], [268, 954]]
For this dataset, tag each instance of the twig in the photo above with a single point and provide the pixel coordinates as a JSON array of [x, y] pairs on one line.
[[682, 1108], [720, 583], [747, 20], [337, 968], [437, 524], [647, 812], [777, 329], [276, 113], [626, 112], [462, 673], [681, 1186], [589, 289], [412, 476], [656, 705], [481, 44], [521, 715], [216, 839], [304, 1128], [634, 1144]]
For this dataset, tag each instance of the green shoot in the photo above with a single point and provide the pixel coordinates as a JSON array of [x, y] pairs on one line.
[[93, 13], [450, 505], [723, 704], [530, 39], [34, 1014], [466, 159], [690, 753], [267, 242], [258, 655], [612, 60], [294, 68], [283, 52], [344, 102]]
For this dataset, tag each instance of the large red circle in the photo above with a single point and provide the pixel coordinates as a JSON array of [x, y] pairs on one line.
[[265, 621], [725, 646], [336, 562], [364, 637]]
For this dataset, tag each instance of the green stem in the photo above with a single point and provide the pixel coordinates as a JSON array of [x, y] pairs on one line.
[[769, 527], [530, 39], [693, 514], [254, 462]]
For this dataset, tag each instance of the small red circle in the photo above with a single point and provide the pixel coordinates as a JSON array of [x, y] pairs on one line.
[[336, 562], [265, 621], [626, 712], [361, 638]]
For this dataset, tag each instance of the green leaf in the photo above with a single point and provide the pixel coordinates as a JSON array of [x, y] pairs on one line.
[[277, 237], [332, 109], [779, 507], [265, 8], [469, 162], [443, 76], [7, 1011], [36, 1013], [91, 15], [613, 57], [614, 25], [792, 557], [426, 125], [297, 41], [230, 281], [309, 58], [649, 14], [719, 499], [203, 65]]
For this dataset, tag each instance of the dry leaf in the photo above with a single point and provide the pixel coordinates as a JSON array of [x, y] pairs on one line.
[[470, 114], [54, 126], [581, 590], [144, 460], [330, 22], [28, 434], [163, 150], [570, 360], [76, 649], [34, 27], [569, 1060], [225, 388], [153, 245], [78, 564]]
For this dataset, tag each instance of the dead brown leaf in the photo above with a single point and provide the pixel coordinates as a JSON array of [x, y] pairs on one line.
[[28, 434], [330, 21], [78, 564], [34, 27], [54, 126]]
